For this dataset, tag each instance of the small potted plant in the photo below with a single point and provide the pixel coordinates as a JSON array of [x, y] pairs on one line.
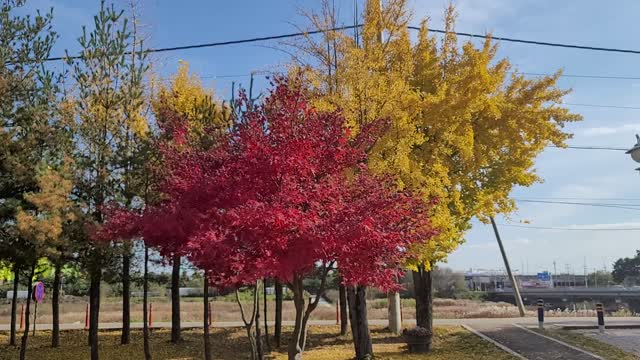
[[418, 339]]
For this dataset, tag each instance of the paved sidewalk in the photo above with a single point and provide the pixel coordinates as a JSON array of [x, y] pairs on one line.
[[530, 345]]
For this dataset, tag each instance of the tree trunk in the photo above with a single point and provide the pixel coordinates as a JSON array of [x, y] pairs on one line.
[[423, 288], [55, 306], [14, 305], [175, 300], [94, 311], [359, 322], [25, 335], [299, 337], [126, 295], [145, 305], [344, 320], [266, 325], [248, 324], [295, 349], [259, 351], [353, 319], [207, 345], [277, 328]]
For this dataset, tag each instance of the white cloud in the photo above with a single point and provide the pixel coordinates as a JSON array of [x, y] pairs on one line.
[[620, 225], [522, 241], [611, 130], [480, 246]]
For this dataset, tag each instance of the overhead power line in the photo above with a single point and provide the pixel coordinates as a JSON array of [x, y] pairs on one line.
[[230, 42], [588, 147], [559, 201], [341, 28], [514, 72], [211, 76], [607, 205], [605, 106], [535, 42], [584, 198], [587, 76], [568, 228]]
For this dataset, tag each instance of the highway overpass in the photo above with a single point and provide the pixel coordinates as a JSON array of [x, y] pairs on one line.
[[562, 298]]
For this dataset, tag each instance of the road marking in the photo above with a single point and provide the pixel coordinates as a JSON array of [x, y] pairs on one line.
[[486, 338], [560, 342]]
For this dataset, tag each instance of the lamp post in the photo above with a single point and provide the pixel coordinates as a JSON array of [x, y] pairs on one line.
[[635, 151]]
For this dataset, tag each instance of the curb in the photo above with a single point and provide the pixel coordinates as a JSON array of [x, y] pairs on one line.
[[595, 327]]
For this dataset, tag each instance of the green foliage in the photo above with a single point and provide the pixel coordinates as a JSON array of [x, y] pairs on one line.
[[473, 295], [30, 132], [108, 122], [599, 278], [76, 281], [448, 283], [625, 268]]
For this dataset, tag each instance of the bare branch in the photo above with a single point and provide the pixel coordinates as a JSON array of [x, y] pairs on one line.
[[244, 319]]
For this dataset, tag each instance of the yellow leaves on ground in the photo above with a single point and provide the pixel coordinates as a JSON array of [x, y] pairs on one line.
[[449, 343]]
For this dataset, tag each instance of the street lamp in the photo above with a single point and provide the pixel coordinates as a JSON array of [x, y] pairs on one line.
[[635, 151]]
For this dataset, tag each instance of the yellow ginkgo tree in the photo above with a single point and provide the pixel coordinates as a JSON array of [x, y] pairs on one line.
[[484, 125], [466, 126]]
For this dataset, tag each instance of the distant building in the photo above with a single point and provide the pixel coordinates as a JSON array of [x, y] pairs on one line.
[[491, 280]]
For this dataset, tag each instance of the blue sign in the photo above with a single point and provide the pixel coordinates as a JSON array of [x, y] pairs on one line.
[[544, 276], [38, 292]]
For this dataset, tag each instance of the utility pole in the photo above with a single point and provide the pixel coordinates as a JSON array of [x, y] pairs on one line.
[[514, 284], [586, 280], [555, 273]]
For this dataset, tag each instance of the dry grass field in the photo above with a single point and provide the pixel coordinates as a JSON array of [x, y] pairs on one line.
[[72, 310]]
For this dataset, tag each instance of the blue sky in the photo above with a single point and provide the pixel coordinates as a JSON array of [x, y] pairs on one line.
[[567, 173]]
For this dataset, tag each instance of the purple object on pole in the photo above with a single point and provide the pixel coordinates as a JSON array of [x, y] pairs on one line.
[[38, 292]]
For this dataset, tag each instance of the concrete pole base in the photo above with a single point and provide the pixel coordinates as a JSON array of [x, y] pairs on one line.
[[395, 321]]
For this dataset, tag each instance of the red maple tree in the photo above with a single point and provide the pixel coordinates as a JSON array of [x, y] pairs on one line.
[[287, 196]]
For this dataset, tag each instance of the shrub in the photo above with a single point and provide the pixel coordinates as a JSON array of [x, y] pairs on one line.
[[416, 332]]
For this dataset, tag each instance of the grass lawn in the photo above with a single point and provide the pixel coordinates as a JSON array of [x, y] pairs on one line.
[[590, 344], [453, 343]]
